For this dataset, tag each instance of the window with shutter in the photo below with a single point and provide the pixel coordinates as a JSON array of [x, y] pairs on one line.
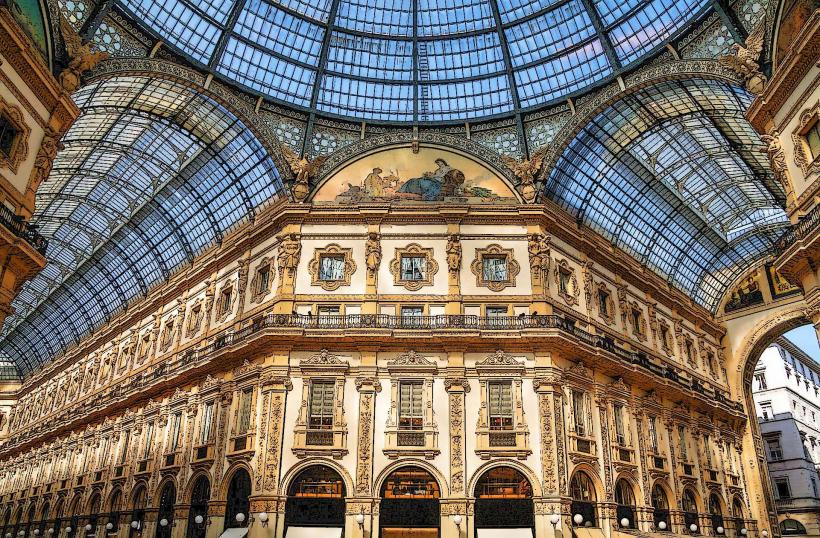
[[620, 434], [410, 405], [578, 412], [500, 402], [244, 423], [207, 423], [321, 405]]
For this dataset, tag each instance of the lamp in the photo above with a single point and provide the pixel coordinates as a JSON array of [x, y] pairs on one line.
[[457, 520], [662, 525], [764, 533], [693, 527], [36, 532], [109, 526], [555, 519], [360, 518], [263, 517], [135, 524], [68, 530], [240, 517], [87, 527], [163, 522], [578, 519], [8, 535], [51, 530], [743, 531], [21, 533], [198, 519], [719, 530], [624, 522]]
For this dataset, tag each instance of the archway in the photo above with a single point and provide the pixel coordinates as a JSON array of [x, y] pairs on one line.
[[689, 506], [198, 514], [45, 513], [114, 507], [58, 516], [410, 503], [716, 513], [316, 498], [32, 513], [504, 501], [139, 503], [625, 511], [789, 527], [92, 514], [239, 504], [6, 521], [738, 513], [72, 527], [582, 491], [165, 514], [660, 507]]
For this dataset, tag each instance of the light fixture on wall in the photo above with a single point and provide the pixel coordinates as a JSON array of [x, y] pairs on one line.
[[51, 530], [360, 518], [457, 519], [719, 530], [240, 517], [662, 525], [135, 524], [163, 522], [743, 531], [263, 517], [88, 527], [68, 529], [624, 522], [578, 519], [693, 527], [764, 533], [36, 532], [109, 526]]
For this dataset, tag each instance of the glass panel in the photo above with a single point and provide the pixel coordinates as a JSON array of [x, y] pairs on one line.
[[413, 267], [495, 268], [331, 268], [500, 405], [410, 405], [321, 404]]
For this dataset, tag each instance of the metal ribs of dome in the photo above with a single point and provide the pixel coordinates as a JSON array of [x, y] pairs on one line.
[[415, 60]]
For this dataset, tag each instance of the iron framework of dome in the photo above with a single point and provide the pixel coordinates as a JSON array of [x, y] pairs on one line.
[[415, 60]]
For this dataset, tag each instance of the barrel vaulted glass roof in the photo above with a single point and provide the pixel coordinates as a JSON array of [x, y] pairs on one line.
[[415, 60], [675, 175], [151, 174]]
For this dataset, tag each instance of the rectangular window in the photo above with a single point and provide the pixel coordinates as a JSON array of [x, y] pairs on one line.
[[176, 431], [579, 413], [775, 450], [262, 279], [500, 405], [207, 423], [665, 336], [653, 434], [760, 380], [636, 320], [618, 413], [603, 300], [766, 410], [328, 310], [321, 405], [413, 267], [412, 311], [8, 136], [495, 268], [125, 444], [149, 441], [707, 450], [410, 405], [781, 485], [813, 140], [244, 422], [332, 268], [684, 453], [496, 311], [563, 281]]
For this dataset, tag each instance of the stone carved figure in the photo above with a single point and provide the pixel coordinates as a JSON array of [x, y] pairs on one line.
[[538, 246], [743, 59], [777, 158], [373, 253], [453, 253], [526, 171], [44, 160], [289, 251], [303, 170], [81, 57]]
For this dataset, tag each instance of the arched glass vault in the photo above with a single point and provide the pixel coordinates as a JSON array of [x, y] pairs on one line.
[[674, 175], [415, 60], [151, 174]]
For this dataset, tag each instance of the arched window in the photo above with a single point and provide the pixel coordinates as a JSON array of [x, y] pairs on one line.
[[45, 513], [690, 510], [200, 496], [167, 500], [660, 505], [32, 512], [582, 491], [716, 513], [409, 502], [504, 500], [316, 498], [94, 508], [625, 499], [114, 511], [791, 526], [140, 498], [58, 514], [239, 493]]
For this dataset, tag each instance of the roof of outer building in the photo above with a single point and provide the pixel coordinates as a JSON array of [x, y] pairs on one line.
[[672, 173]]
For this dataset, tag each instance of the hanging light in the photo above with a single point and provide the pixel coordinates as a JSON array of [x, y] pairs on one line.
[[240, 517], [109, 525], [198, 519], [36, 532], [719, 530], [135, 524], [578, 519], [743, 531], [693, 527], [68, 529], [624, 522], [163, 522], [662, 525]]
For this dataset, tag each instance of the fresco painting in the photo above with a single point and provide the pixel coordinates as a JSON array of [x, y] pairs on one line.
[[430, 175], [29, 15]]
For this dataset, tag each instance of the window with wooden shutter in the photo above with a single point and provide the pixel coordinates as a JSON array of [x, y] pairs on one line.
[[411, 414], [207, 423], [578, 412], [500, 403], [176, 424], [244, 423], [321, 405], [620, 434]]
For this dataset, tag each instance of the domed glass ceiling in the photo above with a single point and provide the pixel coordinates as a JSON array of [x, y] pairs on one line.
[[415, 60]]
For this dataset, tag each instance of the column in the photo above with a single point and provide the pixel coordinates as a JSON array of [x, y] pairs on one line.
[[547, 386], [368, 387], [457, 387]]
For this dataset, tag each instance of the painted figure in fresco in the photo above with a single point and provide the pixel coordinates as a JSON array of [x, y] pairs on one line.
[[373, 183], [429, 185]]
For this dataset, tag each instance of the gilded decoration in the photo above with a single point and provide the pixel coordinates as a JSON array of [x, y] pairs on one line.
[[80, 55], [495, 275], [566, 282], [259, 287], [406, 264], [373, 255], [19, 145], [332, 277], [802, 154], [526, 171], [303, 171]]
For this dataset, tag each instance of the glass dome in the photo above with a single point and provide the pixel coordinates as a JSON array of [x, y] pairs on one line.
[[415, 60]]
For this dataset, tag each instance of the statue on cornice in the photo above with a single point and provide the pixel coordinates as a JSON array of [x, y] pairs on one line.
[[777, 158], [303, 170], [743, 60], [526, 171], [81, 57]]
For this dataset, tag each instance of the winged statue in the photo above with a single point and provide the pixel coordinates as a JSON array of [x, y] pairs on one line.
[[743, 59], [526, 170], [81, 57], [303, 170]]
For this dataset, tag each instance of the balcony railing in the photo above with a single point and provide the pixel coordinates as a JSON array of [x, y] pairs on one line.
[[23, 229], [799, 231]]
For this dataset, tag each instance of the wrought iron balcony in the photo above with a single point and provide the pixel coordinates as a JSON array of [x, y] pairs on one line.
[[22, 229]]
